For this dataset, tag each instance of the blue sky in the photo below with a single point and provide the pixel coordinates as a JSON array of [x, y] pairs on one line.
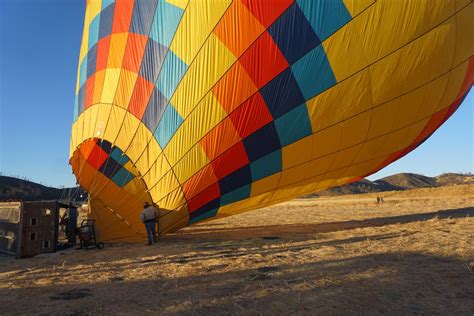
[[39, 49]]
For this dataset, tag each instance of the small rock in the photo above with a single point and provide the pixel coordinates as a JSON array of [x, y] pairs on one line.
[[267, 269], [270, 237], [71, 295]]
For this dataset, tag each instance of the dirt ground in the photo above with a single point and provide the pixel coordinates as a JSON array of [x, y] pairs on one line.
[[335, 255]]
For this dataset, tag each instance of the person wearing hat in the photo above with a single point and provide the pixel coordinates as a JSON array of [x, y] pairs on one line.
[[149, 217]]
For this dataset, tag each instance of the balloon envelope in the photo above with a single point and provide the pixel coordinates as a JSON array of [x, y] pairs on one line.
[[209, 108]]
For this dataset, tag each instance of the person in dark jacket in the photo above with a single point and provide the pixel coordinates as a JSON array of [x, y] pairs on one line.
[[149, 217]]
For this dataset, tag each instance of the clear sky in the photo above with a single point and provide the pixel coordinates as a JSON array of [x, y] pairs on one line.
[[39, 52], [39, 49]]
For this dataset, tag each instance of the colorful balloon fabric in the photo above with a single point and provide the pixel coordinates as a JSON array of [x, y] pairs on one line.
[[210, 108]]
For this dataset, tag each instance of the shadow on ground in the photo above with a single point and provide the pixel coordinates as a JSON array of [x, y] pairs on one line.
[[294, 230], [398, 282], [386, 283]]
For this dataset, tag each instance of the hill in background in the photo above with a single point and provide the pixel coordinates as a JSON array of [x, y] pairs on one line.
[[397, 182], [19, 189]]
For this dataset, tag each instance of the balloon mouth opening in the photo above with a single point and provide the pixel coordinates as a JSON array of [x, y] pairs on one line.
[[116, 189]]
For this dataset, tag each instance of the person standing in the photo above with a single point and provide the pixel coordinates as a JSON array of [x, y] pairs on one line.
[[149, 217]]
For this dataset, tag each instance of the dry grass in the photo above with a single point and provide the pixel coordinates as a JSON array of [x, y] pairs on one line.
[[335, 255]]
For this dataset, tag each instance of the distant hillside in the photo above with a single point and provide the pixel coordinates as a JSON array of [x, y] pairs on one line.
[[398, 182], [455, 178], [359, 187], [14, 188], [18, 189], [407, 181]]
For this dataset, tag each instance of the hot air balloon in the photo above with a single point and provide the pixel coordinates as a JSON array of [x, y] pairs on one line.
[[210, 108]]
